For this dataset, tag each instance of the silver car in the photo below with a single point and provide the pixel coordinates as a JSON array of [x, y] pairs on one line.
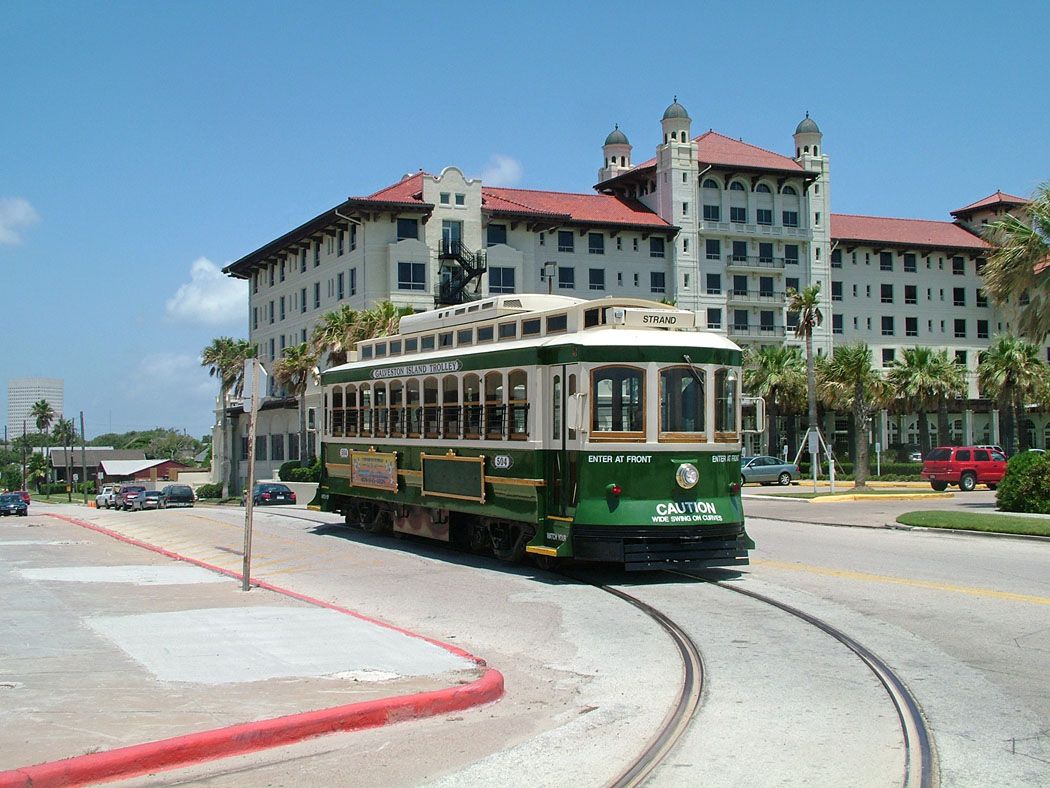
[[767, 470]]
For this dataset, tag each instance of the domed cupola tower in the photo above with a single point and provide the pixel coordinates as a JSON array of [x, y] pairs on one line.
[[617, 154], [807, 138], [676, 123]]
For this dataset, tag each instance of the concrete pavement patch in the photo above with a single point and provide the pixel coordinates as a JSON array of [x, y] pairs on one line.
[[134, 575]]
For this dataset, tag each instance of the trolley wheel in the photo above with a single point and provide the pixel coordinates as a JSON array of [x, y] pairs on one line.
[[939, 486], [546, 562], [508, 541], [784, 479], [967, 482]]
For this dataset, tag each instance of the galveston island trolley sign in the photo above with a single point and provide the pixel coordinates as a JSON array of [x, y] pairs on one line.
[[414, 370]]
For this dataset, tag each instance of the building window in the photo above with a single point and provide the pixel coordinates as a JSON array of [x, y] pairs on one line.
[[619, 244], [411, 276], [982, 329], [317, 295], [714, 284], [317, 253], [959, 296], [685, 206], [960, 357], [737, 214], [739, 285], [596, 277], [407, 228], [791, 283], [886, 293], [981, 262], [836, 258], [713, 248], [714, 318], [765, 320], [958, 266], [501, 280], [595, 243], [277, 447], [911, 326], [740, 320], [566, 278], [340, 282], [566, 241], [657, 281], [461, 199], [836, 323], [836, 291], [497, 234], [712, 213], [982, 299], [340, 241], [960, 327], [445, 198], [271, 312], [255, 317], [764, 216], [739, 251], [911, 294], [887, 356], [790, 218], [260, 447], [885, 261], [909, 264], [791, 254], [656, 247], [887, 326]]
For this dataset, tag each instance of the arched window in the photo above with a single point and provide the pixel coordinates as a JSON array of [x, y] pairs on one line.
[[519, 405], [789, 190], [710, 184], [350, 403], [413, 414], [431, 409], [366, 410], [736, 186], [816, 151], [806, 148], [682, 404], [618, 410], [762, 189], [397, 409], [336, 426], [495, 408], [623, 161], [471, 406], [381, 414], [727, 397], [450, 416]]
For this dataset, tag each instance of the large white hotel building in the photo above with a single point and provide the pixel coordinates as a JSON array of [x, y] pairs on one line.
[[715, 224]]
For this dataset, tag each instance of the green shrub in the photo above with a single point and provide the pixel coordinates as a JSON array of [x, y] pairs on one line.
[[310, 474], [209, 491], [1026, 486], [286, 469]]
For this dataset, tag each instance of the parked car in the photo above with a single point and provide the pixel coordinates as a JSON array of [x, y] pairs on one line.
[[13, 503], [25, 496], [915, 456], [993, 447], [767, 470], [147, 499], [107, 499], [127, 494], [966, 466], [271, 493], [175, 495]]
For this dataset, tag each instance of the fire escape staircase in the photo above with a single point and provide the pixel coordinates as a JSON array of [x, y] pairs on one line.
[[460, 273]]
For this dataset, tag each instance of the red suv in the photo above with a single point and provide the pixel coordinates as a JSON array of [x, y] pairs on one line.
[[966, 466]]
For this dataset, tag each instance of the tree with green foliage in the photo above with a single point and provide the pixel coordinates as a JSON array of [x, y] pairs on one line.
[[1011, 371], [1018, 270], [777, 373], [335, 334], [849, 379], [807, 306], [294, 370], [951, 376], [65, 435], [916, 380], [225, 358], [36, 470]]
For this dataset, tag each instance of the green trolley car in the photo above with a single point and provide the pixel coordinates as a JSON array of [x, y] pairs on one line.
[[604, 430]]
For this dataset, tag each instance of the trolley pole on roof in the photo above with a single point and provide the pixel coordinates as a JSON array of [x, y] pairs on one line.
[[253, 374]]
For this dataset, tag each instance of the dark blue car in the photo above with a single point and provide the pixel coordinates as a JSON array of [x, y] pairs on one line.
[[13, 503]]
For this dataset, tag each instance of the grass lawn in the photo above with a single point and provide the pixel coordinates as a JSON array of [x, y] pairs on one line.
[[973, 521], [851, 491]]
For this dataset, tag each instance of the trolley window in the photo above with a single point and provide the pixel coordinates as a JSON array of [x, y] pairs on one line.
[[336, 426], [366, 352], [530, 327], [427, 342], [682, 404], [726, 405], [395, 347], [431, 409], [484, 334], [380, 349], [397, 418], [618, 412], [465, 336], [508, 330], [445, 339], [519, 405], [413, 415], [412, 345], [450, 407], [351, 411], [472, 411], [557, 323]]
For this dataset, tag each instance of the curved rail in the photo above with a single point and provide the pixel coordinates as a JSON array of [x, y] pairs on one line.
[[919, 756]]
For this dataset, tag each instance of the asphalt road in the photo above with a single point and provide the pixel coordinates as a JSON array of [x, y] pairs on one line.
[[965, 621]]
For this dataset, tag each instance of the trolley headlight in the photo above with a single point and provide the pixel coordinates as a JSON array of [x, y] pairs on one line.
[[687, 476]]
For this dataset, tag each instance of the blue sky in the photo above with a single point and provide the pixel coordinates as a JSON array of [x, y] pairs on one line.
[[144, 144]]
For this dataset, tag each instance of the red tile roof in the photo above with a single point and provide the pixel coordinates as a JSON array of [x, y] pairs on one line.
[[589, 208], [903, 232], [408, 190], [999, 198]]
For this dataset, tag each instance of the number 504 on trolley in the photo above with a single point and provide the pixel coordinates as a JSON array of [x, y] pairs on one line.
[[606, 430]]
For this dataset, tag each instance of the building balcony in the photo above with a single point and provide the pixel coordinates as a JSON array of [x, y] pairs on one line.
[[756, 230], [754, 262], [748, 331], [777, 297]]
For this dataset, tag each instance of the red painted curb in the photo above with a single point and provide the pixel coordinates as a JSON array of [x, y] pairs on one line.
[[248, 737]]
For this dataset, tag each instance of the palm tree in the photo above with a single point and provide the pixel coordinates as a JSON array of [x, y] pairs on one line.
[[225, 359], [1011, 370], [917, 380], [65, 435], [807, 306], [294, 370], [1020, 264], [849, 379], [43, 414], [383, 319], [36, 470], [778, 375], [336, 334], [952, 379]]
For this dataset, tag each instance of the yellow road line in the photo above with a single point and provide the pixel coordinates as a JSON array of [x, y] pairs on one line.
[[986, 593]]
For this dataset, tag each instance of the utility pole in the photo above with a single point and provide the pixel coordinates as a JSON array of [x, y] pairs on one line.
[[83, 456], [23, 455], [253, 374]]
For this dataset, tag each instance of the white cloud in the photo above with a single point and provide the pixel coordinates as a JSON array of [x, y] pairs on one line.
[[162, 374], [210, 297], [16, 214], [501, 171]]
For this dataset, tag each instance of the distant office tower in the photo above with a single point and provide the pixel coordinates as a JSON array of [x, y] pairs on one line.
[[22, 393]]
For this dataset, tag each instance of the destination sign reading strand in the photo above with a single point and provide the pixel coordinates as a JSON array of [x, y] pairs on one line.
[[410, 370], [651, 318]]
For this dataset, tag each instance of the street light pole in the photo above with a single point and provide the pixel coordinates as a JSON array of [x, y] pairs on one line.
[[550, 269]]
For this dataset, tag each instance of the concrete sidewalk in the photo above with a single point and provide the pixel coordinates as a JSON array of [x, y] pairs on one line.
[[108, 650]]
